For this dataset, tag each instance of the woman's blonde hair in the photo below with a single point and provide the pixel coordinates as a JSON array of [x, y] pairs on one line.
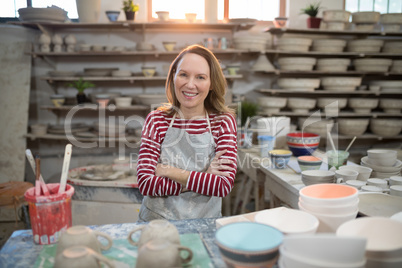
[[215, 100]]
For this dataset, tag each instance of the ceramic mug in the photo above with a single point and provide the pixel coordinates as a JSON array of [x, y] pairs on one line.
[[80, 256], [372, 188], [378, 182], [346, 174], [355, 183], [155, 229], [158, 253], [395, 180], [81, 235]]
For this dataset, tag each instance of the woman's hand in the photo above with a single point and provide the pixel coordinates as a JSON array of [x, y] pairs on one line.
[[175, 174], [219, 164]]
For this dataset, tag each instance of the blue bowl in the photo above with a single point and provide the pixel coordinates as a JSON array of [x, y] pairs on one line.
[[302, 143], [244, 244], [112, 15]]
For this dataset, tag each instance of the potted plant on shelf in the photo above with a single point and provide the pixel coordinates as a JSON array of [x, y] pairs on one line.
[[129, 9], [248, 110], [312, 10], [81, 85]]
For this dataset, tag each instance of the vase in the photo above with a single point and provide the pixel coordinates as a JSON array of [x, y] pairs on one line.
[[130, 15], [211, 11], [313, 22], [81, 98], [88, 10]]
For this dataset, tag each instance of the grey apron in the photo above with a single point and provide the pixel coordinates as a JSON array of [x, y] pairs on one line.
[[192, 152]]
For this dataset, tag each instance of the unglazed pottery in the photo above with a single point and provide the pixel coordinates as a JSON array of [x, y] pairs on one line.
[[80, 256]]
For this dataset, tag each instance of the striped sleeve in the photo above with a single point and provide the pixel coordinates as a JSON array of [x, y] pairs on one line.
[[153, 133], [224, 129]]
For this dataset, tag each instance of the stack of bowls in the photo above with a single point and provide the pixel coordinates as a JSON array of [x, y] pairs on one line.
[[396, 66], [309, 162], [365, 45], [301, 105], [333, 65], [391, 106], [385, 127], [310, 177], [336, 19], [316, 125], [270, 105], [333, 204], [372, 65], [353, 126], [288, 221], [384, 240], [328, 45], [251, 41], [294, 44], [331, 106], [384, 163], [322, 251], [391, 22], [392, 47], [299, 84], [365, 20], [391, 86], [341, 83], [249, 244], [302, 143], [297, 63], [362, 105]]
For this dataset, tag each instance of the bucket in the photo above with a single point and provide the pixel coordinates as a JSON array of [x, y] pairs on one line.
[[50, 215]]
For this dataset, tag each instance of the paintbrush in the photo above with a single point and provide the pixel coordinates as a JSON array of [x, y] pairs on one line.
[[31, 161], [37, 175]]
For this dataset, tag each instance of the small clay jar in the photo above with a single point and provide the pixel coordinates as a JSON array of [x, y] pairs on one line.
[[80, 256], [159, 253], [81, 235], [161, 229]]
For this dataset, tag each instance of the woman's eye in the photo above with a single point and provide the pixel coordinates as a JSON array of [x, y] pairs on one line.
[[183, 74], [201, 77]]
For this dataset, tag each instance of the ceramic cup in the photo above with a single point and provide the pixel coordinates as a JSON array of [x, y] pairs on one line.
[[161, 229], [355, 183], [395, 180], [346, 174], [267, 144], [161, 253], [395, 190], [371, 188], [378, 182], [80, 256], [81, 235], [337, 158]]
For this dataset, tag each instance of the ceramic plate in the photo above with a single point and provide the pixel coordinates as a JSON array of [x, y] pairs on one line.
[[107, 176], [378, 204]]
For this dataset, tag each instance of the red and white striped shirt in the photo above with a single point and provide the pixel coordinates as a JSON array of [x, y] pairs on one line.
[[224, 130]]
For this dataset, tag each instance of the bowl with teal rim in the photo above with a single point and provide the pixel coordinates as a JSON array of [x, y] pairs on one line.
[[249, 244], [280, 158]]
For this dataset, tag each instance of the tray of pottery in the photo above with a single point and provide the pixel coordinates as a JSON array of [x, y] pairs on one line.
[[124, 255], [105, 175]]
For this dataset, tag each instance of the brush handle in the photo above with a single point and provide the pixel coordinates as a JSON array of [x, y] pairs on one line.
[[37, 175], [66, 165], [31, 161]]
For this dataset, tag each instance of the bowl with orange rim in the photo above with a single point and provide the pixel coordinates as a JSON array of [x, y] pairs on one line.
[[309, 162]]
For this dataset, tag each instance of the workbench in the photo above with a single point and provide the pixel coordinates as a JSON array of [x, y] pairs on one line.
[[21, 251]]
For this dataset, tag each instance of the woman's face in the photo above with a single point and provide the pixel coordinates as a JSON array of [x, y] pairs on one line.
[[192, 84]]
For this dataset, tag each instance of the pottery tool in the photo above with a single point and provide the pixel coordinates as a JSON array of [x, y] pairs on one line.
[[37, 175], [31, 161], [64, 171], [350, 144], [331, 141], [279, 131]]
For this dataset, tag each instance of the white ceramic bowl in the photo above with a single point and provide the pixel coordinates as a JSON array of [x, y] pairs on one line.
[[391, 18], [310, 177], [123, 101], [299, 83], [301, 105], [384, 235], [336, 15], [365, 17], [391, 105], [352, 126], [169, 45], [327, 248], [150, 99], [163, 15], [297, 63], [362, 105], [288, 221], [364, 172], [328, 194], [380, 168], [334, 65], [346, 175], [339, 103], [332, 210], [382, 156], [273, 103], [372, 65], [329, 223], [385, 127]]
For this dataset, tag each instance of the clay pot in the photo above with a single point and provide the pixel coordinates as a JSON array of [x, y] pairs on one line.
[[79, 256], [313, 22]]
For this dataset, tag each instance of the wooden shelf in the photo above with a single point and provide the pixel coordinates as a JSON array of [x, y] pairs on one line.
[[52, 79], [340, 114], [327, 92], [63, 137], [94, 107], [137, 26], [333, 54], [279, 31]]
